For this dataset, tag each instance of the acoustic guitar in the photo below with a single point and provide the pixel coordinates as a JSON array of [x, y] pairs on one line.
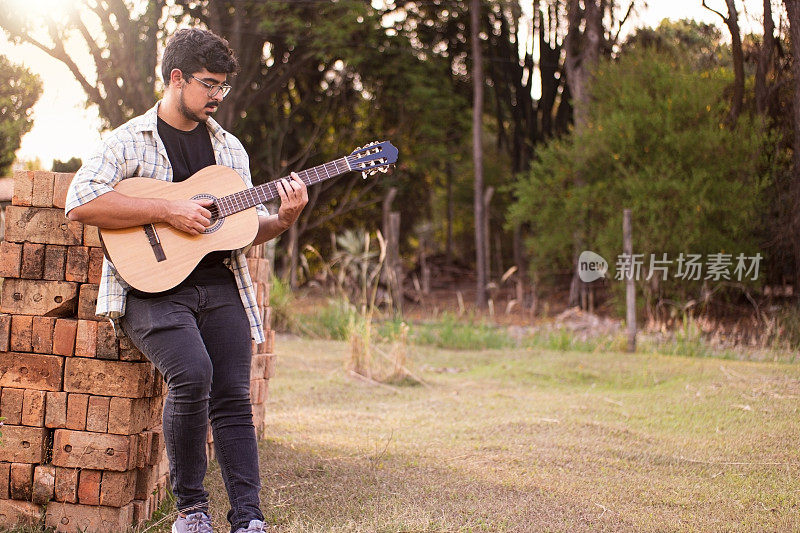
[[157, 257]]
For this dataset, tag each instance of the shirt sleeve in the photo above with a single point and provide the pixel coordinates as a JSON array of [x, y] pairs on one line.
[[99, 175]]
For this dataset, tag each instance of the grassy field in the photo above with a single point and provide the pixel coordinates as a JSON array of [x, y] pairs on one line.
[[528, 440]]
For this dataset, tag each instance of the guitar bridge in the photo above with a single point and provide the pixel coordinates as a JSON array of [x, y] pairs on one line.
[[155, 242]]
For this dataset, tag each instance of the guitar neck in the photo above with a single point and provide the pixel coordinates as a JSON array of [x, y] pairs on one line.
[[239, 201]]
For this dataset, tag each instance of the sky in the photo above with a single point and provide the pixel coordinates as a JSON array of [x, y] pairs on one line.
[[64, 127]]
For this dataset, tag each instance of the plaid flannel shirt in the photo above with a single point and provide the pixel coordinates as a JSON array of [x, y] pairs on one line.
[[135, 149]]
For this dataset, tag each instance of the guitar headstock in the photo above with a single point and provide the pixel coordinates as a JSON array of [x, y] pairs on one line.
[[373, 158]]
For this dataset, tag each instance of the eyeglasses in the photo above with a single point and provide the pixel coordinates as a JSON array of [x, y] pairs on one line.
[[213, 90]]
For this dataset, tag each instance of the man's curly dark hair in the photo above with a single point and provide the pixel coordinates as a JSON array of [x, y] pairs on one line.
[[192, 49]]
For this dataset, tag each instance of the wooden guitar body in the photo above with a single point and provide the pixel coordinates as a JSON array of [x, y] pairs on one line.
[[136, 258]]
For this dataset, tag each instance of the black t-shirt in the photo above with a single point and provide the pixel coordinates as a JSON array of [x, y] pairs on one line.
[[190, 152]]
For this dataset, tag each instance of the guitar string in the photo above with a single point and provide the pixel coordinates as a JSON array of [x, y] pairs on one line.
[[233, 203]]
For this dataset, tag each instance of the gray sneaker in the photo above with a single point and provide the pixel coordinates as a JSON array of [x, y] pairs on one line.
[[198, 522], [256, 526]]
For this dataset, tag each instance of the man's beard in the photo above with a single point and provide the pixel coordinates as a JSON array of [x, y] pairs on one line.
[[186, 112]]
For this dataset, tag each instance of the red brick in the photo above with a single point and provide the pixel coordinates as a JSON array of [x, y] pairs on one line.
[[77, 405], [144, 443], [44, 482], [95, 265], [77, 268], [64, 336], [56, 410], [87, 302], [55, 257], [91, 236], [266, 316], [41, 225], [23, 187], [5, 470], [32, 261], [31, 371], [129, 352], [42, 195], [20, 484], [145, 482], [89, 487], [42, 337], [106, 341], [10, 259], [11, 405], [127, 415], [97, 414], [23, 444], [71, 518], [5, 332], [141, 511], [108, 378], [66, 489], [100, 451], [21, 333], [33, 407], [158, 447], [16, 513], [39, 297], [61, 183], [86, 338]]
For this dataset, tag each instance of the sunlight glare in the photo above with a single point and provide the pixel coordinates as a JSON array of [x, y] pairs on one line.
[[49, 8]]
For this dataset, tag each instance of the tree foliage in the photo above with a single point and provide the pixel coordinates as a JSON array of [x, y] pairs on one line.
[[70, 165], [19, 91], [655, 142], [123, 50]]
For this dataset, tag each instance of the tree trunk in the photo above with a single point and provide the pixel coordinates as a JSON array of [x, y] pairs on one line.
[[294, 255], [393, 262], [450, 213], [477, 155], [522, 267], [487, 201], [765, 60], [793, 14], [582, 54], [732, 22]]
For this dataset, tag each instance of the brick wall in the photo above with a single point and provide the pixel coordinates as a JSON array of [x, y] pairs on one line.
[[82, 429]]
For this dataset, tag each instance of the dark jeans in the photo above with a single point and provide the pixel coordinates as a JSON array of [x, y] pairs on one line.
[[199, 339]]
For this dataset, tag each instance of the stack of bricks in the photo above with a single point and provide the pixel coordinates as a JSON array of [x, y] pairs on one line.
[[81, 435]]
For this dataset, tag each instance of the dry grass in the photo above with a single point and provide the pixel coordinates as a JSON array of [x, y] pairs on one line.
[[528, 440]]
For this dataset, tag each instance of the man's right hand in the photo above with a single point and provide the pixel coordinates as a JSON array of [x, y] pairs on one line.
[[189, 216]]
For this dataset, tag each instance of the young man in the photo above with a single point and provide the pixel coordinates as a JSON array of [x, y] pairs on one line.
[[197, 334]]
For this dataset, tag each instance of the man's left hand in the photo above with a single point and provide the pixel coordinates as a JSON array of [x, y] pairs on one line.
[[294, 197]]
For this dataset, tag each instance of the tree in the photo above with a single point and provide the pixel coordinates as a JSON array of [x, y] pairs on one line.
[[19, 91], [124, 51]]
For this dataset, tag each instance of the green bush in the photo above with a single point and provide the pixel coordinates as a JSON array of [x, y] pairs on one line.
[[332, 321]]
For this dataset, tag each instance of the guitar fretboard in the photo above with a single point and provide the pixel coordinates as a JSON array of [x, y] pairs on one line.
[[239, 201]]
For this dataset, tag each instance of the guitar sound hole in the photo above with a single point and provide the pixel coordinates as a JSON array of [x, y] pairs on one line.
[[216, 220]]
